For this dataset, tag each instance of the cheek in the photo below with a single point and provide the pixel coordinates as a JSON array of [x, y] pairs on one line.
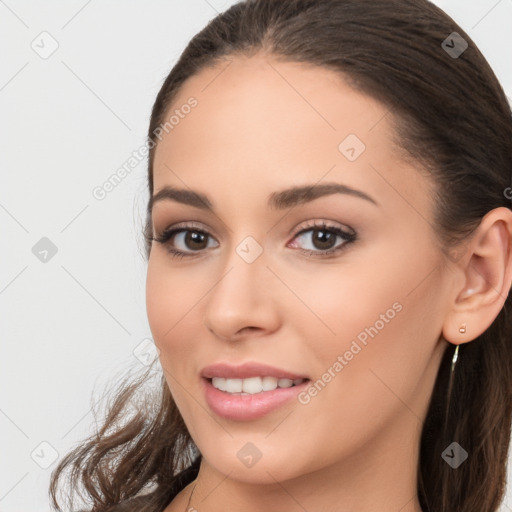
[[376, 317], [337, 306], [170, 300], [383, 342]]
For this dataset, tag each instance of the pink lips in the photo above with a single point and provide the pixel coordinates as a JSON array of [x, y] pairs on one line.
[[247, 407], [247, 370]]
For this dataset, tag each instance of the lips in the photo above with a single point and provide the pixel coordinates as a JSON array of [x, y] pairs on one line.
[[269, 389], [247, 370]]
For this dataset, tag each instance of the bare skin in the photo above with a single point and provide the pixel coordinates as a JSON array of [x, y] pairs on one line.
[[261, 126]]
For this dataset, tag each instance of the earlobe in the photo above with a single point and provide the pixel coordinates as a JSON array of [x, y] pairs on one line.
[[487, 278], [459, 335]]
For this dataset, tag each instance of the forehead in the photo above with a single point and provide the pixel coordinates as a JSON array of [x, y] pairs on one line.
[[259, 101], [262, 123]]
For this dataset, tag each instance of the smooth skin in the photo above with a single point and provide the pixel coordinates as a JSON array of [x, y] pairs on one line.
[[262, 126]]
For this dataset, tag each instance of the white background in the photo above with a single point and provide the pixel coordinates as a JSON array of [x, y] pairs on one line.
[[69, 121]]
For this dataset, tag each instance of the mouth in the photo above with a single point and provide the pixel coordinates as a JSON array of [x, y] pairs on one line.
[[249, 391]]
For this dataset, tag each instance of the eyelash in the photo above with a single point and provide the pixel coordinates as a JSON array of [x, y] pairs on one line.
[[348, 237]]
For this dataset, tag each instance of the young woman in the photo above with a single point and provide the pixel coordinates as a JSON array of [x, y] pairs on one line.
[[329, 265]]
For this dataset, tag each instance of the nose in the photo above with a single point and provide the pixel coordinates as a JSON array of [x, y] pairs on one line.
[[243, 300]]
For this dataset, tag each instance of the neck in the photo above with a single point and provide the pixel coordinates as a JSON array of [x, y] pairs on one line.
[[382, 476]]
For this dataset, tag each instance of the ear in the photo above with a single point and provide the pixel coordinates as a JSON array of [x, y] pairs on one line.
[[485, 271]]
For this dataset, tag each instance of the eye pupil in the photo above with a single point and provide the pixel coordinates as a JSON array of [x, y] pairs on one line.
[[324, 239], [193, 237]]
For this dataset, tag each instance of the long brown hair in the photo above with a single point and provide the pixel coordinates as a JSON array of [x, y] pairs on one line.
[[452, 117]]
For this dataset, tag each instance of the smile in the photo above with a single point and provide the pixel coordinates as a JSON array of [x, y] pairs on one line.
[[253, 385]]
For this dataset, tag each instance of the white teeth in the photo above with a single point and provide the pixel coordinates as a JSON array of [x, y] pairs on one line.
[[269, 383], [253, 385], [219, 383], [285, 383], [234, 385]]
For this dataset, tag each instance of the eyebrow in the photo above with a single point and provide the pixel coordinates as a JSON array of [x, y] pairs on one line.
[[277, 200]]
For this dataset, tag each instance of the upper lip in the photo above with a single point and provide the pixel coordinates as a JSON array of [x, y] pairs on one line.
[[246, 370]]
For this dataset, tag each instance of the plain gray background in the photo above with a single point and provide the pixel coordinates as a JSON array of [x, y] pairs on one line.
[[74, 319]]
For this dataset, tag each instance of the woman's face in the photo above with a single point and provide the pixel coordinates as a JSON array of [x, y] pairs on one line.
[[255, 285]]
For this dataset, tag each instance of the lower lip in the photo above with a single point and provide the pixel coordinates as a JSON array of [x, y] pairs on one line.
[[248, 407]]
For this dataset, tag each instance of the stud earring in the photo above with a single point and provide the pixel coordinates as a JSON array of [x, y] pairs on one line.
[[462, 329]]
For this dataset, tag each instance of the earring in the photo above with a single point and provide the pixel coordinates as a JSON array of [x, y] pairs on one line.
[[454, 358], [450, 382], [462, 330]]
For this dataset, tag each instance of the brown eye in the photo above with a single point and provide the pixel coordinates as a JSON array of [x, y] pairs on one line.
[[195, 240], [323, 239], [185, 242]]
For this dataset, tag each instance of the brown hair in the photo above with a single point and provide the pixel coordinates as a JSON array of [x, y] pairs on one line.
[[451, 117]]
